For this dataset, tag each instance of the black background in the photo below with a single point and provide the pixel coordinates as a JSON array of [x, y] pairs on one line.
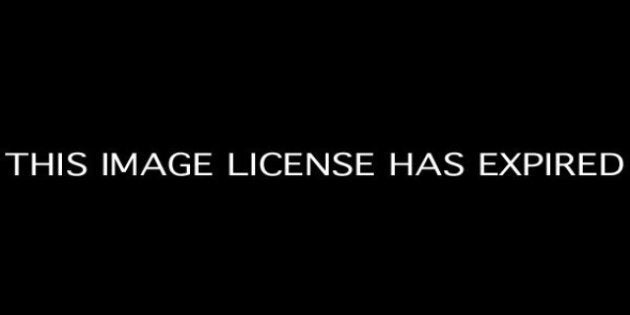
[[401, 80]]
